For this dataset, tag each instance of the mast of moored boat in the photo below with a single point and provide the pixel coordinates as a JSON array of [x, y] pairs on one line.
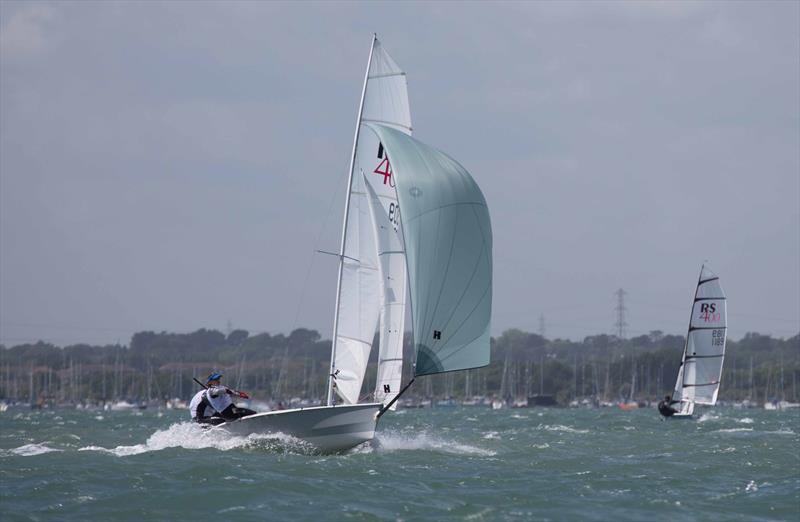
[[332, 372]]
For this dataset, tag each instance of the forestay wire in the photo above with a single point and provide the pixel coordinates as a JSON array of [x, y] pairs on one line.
[[301, 300]]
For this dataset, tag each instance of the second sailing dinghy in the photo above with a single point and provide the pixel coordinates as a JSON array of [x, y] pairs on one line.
[[704, 352], [414, 219]]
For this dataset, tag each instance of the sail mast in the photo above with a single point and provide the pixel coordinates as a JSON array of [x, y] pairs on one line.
[[344, 226]]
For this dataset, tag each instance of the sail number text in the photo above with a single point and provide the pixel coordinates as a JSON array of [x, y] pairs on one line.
[[394, 214], [708, 313]]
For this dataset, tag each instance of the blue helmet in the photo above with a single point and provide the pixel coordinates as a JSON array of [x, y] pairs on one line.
[[214, 377]]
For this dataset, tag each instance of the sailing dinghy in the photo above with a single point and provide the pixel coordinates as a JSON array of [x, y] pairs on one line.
[[416, 226], [704, 352]]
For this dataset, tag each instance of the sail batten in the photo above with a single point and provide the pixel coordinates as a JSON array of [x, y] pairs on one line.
[[386, 75], [693, 328], [387, 122]]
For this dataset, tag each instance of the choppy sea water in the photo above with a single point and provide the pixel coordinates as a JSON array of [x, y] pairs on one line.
[[470, 464]]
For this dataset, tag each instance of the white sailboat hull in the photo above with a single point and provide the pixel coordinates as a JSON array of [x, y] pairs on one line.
[[328, 429]]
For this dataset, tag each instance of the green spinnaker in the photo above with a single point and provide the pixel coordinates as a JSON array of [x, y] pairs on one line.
[[448, 240]]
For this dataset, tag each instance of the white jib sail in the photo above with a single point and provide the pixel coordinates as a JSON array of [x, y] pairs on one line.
[[701, 368], [359, 297], [386, 102], [392, 315]]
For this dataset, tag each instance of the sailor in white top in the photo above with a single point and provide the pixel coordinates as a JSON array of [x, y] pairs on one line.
[[219, 397], [201, 411], [198, 400]]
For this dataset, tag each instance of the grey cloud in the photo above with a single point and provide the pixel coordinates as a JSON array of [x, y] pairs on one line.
[[173, 166]]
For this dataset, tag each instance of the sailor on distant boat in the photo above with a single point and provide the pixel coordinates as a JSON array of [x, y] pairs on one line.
[[665, 407], [201, 411], [220, 399]]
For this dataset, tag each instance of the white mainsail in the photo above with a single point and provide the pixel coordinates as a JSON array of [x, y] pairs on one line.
[[386, 102], [703, 355], [386, 97], [373, 275]]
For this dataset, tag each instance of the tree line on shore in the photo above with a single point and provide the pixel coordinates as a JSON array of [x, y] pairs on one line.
[[157, 366]]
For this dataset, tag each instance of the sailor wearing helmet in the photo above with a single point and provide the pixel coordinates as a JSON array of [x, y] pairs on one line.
[[219, 397]]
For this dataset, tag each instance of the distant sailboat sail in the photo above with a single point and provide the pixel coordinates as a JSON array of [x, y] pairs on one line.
[[703, 355]]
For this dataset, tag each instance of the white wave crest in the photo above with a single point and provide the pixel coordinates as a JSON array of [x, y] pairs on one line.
[[746, 420], [562, 428], [28, 450], [733, 430], [479, 515], [708, 417], [188, 435], [421, 441]]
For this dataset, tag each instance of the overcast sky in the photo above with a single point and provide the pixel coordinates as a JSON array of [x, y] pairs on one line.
[[173, 166]]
